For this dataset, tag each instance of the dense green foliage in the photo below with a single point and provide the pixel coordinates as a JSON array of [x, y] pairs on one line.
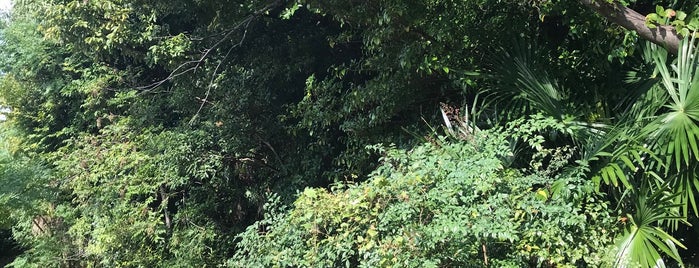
[[447, 203], [244, 133]]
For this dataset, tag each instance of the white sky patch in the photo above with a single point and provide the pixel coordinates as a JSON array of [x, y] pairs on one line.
[[5, 5]]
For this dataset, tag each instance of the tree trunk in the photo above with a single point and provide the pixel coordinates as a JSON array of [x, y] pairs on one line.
[[665, 36]]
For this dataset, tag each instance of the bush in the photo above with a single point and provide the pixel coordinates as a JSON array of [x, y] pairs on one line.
[[441, 204]]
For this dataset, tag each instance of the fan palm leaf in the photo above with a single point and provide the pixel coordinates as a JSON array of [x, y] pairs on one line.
[[643, 240], [524, 87], [676, 129], [674, 134]]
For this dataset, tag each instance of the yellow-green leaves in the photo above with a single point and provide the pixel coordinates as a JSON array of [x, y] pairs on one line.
[[683, 24], [427, 206]]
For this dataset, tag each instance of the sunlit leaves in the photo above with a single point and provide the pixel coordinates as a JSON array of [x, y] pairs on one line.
[[434, 205], [643, 240], [677, 128]]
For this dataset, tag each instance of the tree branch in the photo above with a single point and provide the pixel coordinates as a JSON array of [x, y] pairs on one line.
[[193, 65], [663, 35], [164, 203]]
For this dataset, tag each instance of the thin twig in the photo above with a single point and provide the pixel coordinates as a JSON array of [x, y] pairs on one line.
[[213, 76], [164, 201], [197, 63], [172, 75], [485, 254]]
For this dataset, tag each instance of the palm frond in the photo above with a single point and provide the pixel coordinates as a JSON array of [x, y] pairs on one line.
[[643, 241], [677, 128], [639, 83], [524, 87], [687, 185]]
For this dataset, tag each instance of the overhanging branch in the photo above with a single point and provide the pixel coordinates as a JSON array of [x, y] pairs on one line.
[[662, 35]]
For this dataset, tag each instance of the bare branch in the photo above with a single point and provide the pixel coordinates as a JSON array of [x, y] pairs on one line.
[[175, 73], [213, 76], [187, 66], [166, 213]]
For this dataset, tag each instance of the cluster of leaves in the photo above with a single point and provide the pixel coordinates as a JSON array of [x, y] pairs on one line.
[[144, 175], [170, 203], [448, 203], [684, 24]]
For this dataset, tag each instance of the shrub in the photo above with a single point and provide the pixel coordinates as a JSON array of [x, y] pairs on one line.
[[442, 204]]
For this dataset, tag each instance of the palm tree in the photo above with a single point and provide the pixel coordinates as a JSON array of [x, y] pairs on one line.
[[647, 154]]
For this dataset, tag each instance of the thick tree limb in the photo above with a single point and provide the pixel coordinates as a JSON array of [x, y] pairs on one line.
[[665, 36]]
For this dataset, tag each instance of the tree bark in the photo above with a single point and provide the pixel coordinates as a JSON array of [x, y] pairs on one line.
[[662, 35]]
